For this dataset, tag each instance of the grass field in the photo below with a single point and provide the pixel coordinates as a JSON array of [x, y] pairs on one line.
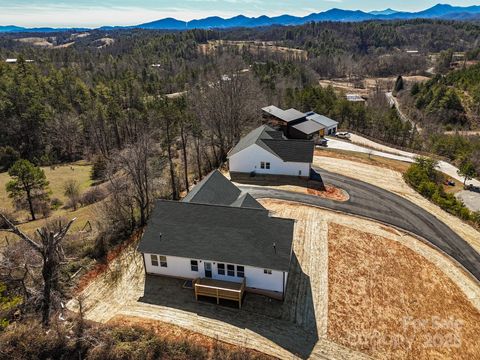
[[58, 176]]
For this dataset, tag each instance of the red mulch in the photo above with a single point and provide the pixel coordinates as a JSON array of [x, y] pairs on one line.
[[330, 192], [100, 268]]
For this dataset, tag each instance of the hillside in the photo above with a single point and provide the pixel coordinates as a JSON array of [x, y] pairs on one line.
[[452, 99]]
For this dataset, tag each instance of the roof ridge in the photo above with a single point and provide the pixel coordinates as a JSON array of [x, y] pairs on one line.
[[205, 204], [289, 140]]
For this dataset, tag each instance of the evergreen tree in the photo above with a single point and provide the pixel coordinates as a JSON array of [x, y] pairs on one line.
[[28, 184]]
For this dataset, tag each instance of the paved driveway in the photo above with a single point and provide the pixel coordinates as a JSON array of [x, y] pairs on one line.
[[375, 203]]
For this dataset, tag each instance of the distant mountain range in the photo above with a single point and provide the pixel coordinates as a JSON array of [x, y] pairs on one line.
[[440, 11]]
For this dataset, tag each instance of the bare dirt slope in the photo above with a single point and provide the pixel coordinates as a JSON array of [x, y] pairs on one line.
[[392, 180]]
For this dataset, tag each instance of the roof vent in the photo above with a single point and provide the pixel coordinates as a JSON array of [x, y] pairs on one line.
[[275, 247]]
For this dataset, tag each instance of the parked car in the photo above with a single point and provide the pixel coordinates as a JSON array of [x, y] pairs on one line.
[[450, 182], [322, 142], [343, 135]]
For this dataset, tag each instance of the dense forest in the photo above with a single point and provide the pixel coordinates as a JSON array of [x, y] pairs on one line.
[[453, 99]]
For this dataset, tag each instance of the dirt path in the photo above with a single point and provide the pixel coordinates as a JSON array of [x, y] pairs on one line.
[[392, 181]]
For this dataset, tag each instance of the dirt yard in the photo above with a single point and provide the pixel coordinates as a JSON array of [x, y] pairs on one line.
[[392, 180], [392, 303], [366, 86], [255, 47], [306, 324]]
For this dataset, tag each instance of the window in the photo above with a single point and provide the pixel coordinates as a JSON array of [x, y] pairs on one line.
[[230, 270], [154, 260], [194, 265], [221, 269], [267, 271], [262, 165], [267, 165], [163, 261], [240, 271]]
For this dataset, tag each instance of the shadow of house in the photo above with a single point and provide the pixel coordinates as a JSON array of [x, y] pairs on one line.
[[315, 180], [291, 324]]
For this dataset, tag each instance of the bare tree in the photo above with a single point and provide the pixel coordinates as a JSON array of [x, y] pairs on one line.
[[133, 163], [227, 105], [51, 252]]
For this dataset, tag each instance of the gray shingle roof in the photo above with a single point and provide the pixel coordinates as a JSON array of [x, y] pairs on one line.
[[308, 127], [219, 233], [218, 190], [273, 141], [321, 119]]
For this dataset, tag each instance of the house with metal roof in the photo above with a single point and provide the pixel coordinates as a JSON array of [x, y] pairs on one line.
[[222, 239], [297, 125], [329, 126], [268, 151]]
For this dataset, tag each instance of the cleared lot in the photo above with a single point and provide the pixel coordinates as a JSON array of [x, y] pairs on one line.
[[392, 303], [304, 325]]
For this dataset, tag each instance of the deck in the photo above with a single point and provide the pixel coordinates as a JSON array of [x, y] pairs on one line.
[[220, 289]]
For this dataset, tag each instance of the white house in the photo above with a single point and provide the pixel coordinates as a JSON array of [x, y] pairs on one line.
[[267, 151], [221, 238]]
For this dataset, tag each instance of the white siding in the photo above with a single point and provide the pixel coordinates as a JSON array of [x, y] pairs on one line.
[[255, 277], [249, 160], [331, 130]]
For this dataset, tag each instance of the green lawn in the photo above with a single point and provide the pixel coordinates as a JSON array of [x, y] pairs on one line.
[[57, 177]]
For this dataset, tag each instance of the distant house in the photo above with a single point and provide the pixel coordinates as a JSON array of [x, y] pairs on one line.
[[355, 98], [267, 151], [14, 61], [222, 239], [297, 125]]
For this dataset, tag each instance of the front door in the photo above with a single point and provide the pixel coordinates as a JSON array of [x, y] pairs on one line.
[[208, 270]]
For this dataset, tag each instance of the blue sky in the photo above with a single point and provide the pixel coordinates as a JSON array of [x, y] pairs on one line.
[[93, 13]]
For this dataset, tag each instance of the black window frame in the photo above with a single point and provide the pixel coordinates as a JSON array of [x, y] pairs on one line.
[[230, 270], [221, 269], [267, 165], [194, 265], [240, 273], [267, 271], [262, 164]]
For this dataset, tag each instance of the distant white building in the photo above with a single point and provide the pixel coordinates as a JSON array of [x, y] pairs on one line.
[[14, 61], [355, 98], [267, 151]]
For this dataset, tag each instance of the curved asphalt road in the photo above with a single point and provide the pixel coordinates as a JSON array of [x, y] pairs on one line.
[[373, 202]]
